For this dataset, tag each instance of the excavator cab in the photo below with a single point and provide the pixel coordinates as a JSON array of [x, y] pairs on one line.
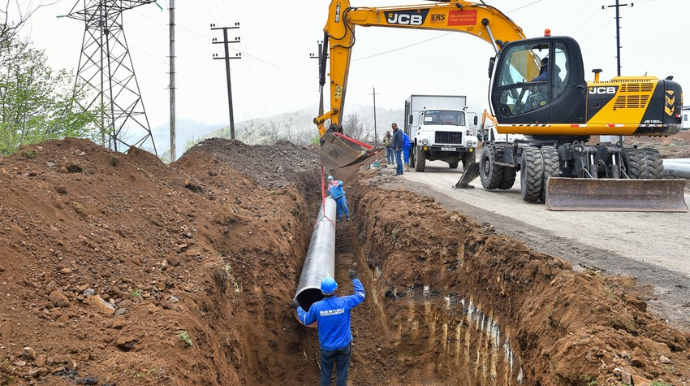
[[539, 81]]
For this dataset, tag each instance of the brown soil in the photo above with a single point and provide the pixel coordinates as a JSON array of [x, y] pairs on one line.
[[118, 269]]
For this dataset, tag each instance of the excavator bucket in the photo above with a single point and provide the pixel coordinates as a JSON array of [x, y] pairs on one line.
[[615, 195], [468, 175], [338, 151]]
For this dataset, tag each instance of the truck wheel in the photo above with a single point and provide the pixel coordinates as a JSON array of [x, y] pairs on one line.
[[421, 161], [454, 164], [468, 159], [531, 174], [490, 174], [413, 158], [643, 163], [551, 167]]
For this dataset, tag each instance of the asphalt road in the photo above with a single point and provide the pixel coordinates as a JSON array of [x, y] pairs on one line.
[[652, 247]]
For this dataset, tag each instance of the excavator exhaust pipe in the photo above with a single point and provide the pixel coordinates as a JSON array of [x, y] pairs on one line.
[[615, 195], [337, 151]]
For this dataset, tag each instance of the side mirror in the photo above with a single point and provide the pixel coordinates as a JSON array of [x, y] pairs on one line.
[[492, 62], [476, 120], [410, 119]]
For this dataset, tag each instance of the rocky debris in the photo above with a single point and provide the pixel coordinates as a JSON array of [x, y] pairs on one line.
[[59, 299]]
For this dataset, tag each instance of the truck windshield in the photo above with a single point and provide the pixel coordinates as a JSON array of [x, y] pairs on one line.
[[444, 117]]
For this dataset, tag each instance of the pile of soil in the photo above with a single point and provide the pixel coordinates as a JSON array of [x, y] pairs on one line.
[[119, 270]]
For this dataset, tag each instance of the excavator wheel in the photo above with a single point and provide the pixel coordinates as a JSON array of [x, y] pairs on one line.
[[551, 167], [531, 174], [643, 163], [508, 178], [490, 174], [420, 164]]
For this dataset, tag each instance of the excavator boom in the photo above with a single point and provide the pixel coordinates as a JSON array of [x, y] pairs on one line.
[[538, 89]]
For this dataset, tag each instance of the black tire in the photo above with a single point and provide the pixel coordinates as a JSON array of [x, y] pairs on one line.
[[468, 159], [420, 163], [454, 164], [413, 157], [490, 174], [508, 178], [551, 167], [531, 174], [643, 163]]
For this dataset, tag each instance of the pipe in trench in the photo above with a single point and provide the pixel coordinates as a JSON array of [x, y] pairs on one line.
[[320, 260]]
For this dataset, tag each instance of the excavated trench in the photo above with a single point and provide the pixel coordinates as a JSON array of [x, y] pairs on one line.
[[449, 302]]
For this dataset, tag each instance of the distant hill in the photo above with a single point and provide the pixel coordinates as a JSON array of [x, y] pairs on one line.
[[296, 127]]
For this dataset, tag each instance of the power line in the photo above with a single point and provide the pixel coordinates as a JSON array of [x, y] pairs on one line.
[[524, 6], [577, 13], [402, 48]]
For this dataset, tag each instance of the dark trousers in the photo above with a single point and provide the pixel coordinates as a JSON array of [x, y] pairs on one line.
[[341, 358]]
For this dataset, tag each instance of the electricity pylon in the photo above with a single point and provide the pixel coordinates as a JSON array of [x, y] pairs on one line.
[[106, 74]]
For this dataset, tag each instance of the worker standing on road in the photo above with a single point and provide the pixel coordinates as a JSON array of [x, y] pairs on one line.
[[406, 146], [335, 189], [387, 142], [333, 316], [396, 144]]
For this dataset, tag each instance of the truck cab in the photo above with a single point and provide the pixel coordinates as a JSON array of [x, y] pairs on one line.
[[439, 128]]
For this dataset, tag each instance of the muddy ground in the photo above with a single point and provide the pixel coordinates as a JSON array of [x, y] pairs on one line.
[[119, 270]]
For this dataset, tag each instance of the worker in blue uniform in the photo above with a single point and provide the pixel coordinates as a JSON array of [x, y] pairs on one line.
[[333, 316], [335, 189]]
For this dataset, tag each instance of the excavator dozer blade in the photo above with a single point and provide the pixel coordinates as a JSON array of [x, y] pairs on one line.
[[468, 175], [615, 195], [337, 152]]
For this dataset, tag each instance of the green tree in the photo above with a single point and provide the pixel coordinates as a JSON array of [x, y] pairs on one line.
[[37, 103]]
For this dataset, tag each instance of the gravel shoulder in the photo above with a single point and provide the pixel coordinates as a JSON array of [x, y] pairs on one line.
[[651, 247]]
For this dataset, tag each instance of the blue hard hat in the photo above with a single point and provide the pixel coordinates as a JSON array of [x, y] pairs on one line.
[[328, 286], [330, 178]]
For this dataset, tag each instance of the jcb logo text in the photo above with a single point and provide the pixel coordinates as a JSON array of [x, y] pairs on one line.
[[602, 90], [416, 17]]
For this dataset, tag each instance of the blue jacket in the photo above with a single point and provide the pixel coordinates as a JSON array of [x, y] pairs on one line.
[[333, 316], [406, 144], [336, 191], [396, 143]]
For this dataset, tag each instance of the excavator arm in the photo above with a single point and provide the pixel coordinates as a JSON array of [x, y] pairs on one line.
[[480, 20]]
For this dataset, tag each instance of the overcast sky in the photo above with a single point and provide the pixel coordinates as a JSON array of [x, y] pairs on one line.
[[276, 75]]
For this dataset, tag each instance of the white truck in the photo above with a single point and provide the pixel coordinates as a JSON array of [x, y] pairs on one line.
[[686, 118], [439, 130]]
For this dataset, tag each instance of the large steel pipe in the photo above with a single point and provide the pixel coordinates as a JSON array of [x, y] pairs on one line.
[[320, 260], [677, 169]]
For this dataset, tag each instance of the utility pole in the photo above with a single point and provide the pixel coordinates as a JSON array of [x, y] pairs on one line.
[[376, 137], [173, 151], [618, 50], [618, 30], [227, 67]]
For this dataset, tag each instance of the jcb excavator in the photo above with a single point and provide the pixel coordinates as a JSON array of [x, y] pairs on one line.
[[537, 89]]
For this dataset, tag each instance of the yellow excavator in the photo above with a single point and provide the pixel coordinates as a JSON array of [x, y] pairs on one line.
[[537, 89]]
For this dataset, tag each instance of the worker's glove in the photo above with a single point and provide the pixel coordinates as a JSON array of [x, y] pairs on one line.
[[295, 303], [353, 274]]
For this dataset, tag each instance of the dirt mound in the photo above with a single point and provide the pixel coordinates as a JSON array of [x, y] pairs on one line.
[[111, 260], [118, 269]]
